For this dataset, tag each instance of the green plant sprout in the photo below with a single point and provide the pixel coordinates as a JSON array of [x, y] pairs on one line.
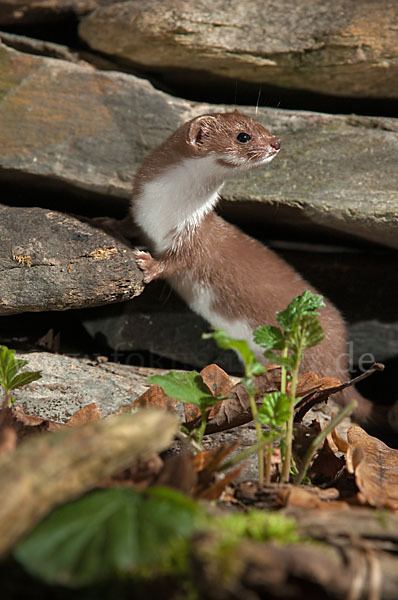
[[188, 387], [300, 330], [274, 412], [11, 376]]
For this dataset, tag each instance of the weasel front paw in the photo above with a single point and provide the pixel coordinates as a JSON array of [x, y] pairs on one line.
[[150, 267]]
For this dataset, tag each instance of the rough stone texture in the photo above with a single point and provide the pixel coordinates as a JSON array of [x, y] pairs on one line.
[[16, 12], [345, 48], [68, 384], [51, 261], [77, 128]]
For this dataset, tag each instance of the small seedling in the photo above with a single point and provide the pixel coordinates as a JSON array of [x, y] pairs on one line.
[[188, 387], [11, 376], [300, 330]]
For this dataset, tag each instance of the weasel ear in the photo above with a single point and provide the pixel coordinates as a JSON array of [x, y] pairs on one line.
[[198, 129]]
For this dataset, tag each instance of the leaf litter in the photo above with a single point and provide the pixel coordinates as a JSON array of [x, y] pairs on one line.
[[369, 463]]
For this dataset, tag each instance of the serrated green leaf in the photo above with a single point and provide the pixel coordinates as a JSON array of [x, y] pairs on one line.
[[105, 533], [275, 409], [185, 387], [23, 379], [312, 330], [268, 337], [300, 305]]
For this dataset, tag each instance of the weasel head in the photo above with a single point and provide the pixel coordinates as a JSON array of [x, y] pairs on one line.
[[235, 140]]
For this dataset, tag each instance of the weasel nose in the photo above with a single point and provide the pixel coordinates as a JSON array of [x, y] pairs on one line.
[[276, 144]]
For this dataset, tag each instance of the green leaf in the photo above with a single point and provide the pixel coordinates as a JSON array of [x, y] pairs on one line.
[[300, 305], [6, 361], [268, 337], [105, 533], [185, 387], [312, 330], [23, 379], [283, 361], [10, 378], [252, 366], [275, 409]]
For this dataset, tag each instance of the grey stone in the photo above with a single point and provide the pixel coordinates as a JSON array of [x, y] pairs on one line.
[[51, 261], [345, 48], [73, 127], [68, 384]]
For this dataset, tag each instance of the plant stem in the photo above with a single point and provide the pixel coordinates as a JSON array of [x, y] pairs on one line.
[[202, 428], [259, 433], [7, 403], [283, 372], [320, 438], [184, 437], [289, 429]]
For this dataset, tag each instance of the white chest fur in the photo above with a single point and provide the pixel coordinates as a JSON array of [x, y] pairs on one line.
[[178, 199]]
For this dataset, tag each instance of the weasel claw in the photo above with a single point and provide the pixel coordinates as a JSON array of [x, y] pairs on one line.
[[147, 264]]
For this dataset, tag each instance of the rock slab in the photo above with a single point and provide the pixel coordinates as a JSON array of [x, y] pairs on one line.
[[51, 261], [87, 130], [341, 49]]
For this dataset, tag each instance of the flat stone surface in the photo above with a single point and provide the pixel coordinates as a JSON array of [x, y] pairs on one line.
[[76, 128], [68, 384], [345, 48], [52, 261]]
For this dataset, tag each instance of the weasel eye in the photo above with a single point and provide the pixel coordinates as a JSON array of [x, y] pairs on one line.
[[243, 137]]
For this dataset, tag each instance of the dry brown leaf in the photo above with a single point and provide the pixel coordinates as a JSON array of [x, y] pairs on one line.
[[86, 414], [375, 467], [340, 443], [27, 420], [311, 498], [210, 460], [310, 382], [217, 380], [27, 424], [326, 465], [235, 409], [178, 473], [154, 397], [207, 462], [214, 491], [192, 415], [304, 435]]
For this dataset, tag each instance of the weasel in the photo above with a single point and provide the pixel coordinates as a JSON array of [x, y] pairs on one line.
[[229, 278]]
